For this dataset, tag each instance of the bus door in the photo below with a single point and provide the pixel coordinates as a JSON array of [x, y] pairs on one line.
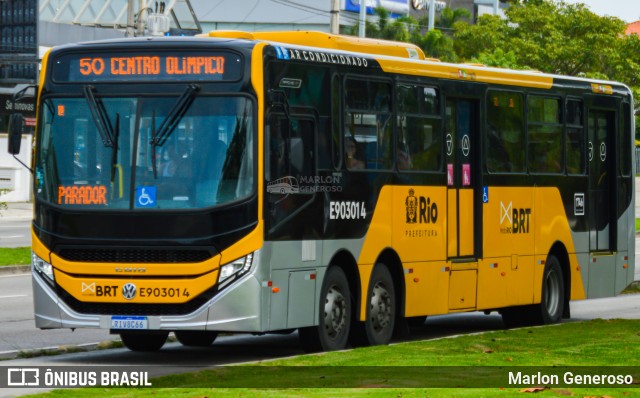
[[601, 201], [462, 129]]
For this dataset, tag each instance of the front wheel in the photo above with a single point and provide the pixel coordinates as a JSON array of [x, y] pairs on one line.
[[335, 311], [144, 341]]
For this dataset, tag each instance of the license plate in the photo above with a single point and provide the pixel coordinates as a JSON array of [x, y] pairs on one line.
[[129, 322]]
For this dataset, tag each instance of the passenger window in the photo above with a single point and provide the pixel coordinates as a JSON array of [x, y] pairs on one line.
[[545, 134], [419, 143], [575, 138], [505, 132], [368, 121]]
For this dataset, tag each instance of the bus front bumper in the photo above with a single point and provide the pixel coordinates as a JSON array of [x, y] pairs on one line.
[[235, 309]]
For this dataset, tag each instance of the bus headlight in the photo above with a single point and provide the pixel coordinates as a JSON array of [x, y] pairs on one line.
[[235, 269], [41, 266]]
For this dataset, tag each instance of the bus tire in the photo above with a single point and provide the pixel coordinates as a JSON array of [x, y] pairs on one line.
[[381, 307], [514, 317], [551, 305], [416, 321], [196, 338], [144, 341], [332, 332]]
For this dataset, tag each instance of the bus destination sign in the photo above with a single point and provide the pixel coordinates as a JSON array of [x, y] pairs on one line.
[[78, 68]]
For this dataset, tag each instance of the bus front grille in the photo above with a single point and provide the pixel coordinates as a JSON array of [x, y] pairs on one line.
[[135, 255]]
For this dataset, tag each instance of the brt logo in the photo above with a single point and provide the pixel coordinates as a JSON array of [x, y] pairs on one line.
[[517, 219]]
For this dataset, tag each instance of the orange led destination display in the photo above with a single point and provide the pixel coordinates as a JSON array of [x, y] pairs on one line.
[[147, 67], [82, 195]]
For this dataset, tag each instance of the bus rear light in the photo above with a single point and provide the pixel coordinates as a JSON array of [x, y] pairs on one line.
[[275, 290], [42, 267]]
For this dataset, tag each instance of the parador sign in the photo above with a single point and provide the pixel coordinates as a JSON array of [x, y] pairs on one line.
[[292, 54]]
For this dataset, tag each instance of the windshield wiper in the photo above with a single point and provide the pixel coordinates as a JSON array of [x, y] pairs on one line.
[[114, 152], [175, 115], [100, 117], [170, 122]]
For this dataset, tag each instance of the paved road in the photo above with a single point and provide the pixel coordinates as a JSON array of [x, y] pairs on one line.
[[17, 325], [15, 225]]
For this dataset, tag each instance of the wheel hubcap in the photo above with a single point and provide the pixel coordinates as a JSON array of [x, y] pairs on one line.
[[380, 307], [552, 293], [335, 312]]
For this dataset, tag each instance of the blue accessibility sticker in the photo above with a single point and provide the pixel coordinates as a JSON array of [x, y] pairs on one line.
[[146, 196]]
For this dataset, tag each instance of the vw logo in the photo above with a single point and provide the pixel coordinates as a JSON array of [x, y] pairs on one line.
[[129, 291]]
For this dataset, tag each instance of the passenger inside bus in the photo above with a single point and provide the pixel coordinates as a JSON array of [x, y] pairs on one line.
[[168, 161], [350, 149], [403, 157]]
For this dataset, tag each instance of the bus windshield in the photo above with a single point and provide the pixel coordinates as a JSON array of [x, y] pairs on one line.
[[207, 158]]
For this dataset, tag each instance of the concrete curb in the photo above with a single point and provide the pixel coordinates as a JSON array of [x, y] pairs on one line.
[[65, 349], [15, 269]]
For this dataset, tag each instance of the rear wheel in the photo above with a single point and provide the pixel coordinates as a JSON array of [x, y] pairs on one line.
[[335, 311], [379, 324], [144, 341], [551, 305], [196, 338]]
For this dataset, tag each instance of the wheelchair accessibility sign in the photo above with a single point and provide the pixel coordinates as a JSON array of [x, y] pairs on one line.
[[146, 196]]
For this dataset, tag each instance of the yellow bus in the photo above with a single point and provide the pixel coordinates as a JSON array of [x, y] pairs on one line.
[[421, 188]]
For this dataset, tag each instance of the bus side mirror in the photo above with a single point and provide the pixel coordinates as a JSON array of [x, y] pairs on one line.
[[16, 126]]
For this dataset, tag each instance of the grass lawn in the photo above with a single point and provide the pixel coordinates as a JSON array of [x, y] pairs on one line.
[[17, 256], [480, 363]]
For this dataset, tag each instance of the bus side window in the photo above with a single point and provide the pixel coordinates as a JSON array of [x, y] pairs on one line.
[[545, 134], [575, 138], [368, 120], [505, 132], [419, 142]]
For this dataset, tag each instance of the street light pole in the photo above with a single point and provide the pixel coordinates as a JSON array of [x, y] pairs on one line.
[[432, 14], [335, 17], [130, 18], [363, 18]]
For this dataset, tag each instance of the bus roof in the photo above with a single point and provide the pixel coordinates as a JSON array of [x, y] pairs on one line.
[[393, 57], [328, 41]]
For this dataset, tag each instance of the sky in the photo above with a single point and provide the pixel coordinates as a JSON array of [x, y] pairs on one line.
[[626, 10]]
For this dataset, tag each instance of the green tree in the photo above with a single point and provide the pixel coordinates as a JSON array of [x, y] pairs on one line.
[[448, 17], [500, 59], [487, 35], [547, 35], [385, 28], [435, 44]]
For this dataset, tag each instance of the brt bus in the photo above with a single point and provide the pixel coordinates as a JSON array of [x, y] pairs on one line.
[[476, 189]]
